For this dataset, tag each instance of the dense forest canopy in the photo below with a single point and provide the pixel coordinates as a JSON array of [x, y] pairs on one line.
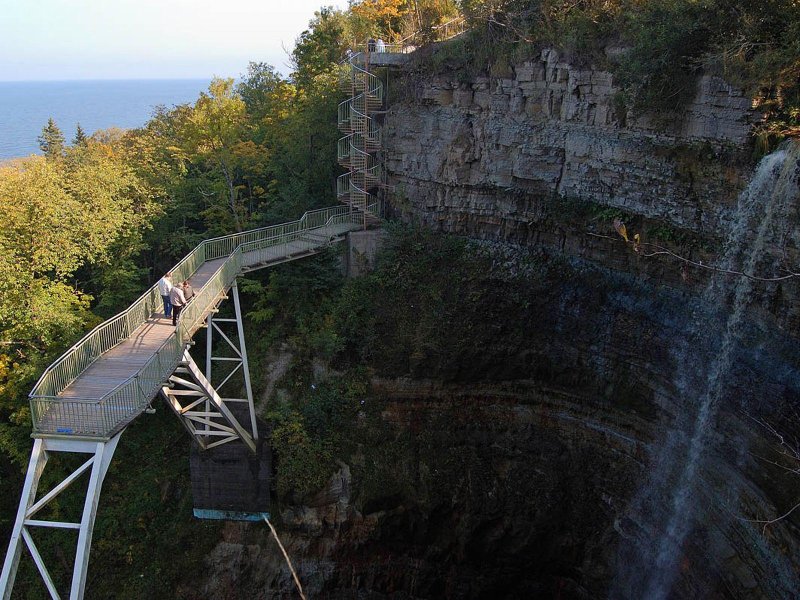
[[90, 224]]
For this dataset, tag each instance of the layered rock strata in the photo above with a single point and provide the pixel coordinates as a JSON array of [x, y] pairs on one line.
[[484, 157]]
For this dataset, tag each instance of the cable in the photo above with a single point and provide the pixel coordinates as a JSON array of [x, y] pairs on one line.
[[286, 556]]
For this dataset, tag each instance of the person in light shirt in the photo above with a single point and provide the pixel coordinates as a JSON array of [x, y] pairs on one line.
[[178, 301], [164, 288]]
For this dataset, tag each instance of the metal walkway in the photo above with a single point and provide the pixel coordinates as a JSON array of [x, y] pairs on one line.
[[83, 401], [110, 376]]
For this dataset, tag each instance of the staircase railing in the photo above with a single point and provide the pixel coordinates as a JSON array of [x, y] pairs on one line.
[[355, 150], [362, 135], [133, 395]]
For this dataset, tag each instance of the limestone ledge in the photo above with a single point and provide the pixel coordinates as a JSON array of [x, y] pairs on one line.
[[553, 128]]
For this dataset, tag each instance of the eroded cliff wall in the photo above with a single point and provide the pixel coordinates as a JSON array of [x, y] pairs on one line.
[[546, 156], [485, 156], [539, 456]]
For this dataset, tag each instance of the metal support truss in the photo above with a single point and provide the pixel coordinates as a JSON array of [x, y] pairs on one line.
[[97, 465], [238, 361], [201, 410]]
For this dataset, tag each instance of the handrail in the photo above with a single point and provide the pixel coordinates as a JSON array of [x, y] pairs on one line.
[[355, 150], [108, 334], [362, 137], [104, 416], [438, 33]]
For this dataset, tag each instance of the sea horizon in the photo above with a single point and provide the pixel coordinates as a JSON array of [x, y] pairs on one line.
[[100, 79], [26, 106]]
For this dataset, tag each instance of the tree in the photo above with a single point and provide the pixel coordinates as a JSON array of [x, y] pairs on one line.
[[80, 136], [211, 133], [386, 14], [86, 211], [51, 141], [321, 47], [265, 93]]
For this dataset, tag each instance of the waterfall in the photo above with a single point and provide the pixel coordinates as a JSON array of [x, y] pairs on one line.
[[649, 565]]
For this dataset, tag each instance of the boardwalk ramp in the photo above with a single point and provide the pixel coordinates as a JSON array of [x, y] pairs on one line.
[[101, 384]]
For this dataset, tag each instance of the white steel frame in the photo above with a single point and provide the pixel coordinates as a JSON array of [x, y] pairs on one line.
[[262, 247], [239, 360], [101, 454], [201, 410]]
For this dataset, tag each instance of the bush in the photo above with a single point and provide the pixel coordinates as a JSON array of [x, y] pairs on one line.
[[304, 463]]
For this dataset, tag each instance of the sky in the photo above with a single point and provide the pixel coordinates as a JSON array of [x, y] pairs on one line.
[[45, 40]]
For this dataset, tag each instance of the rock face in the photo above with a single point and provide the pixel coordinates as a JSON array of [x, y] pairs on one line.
[[508, 159], [520, 478], [484, 157], [555, 465]]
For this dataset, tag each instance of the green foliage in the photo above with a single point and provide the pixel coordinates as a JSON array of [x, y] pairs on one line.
[[211, 135], [62, 218], [682, 238], [80, 136], [51, 140], [428, 302], [667, 41], [569, 210], [313, 428], [304, 462], [265, 93], [292, 303], [322, 46]]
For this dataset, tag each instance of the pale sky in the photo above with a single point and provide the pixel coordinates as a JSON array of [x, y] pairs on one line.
[[147, 39]]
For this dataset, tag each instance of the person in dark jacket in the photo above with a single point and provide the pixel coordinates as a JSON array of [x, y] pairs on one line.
[[188, 291]]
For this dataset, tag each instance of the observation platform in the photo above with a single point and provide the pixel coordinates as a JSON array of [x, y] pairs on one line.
[[109, 377], [392, 57]]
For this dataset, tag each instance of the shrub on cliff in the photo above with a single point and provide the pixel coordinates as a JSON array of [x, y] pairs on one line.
[[660, 46], [435, 304]]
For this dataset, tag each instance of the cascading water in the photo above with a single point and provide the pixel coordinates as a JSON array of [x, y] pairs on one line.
[[649, 561]]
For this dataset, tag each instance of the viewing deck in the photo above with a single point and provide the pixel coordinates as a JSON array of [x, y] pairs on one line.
[[110, 376]]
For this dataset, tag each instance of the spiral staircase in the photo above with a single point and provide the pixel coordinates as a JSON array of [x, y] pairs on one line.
[[358, 148]]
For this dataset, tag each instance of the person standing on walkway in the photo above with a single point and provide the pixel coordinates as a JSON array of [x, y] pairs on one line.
[[380, 45], [164, 288], [188, 291], [178, 300]]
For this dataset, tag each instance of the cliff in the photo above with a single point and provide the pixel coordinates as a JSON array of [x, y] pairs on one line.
[[545, 156], [570, 418], [483, 157]]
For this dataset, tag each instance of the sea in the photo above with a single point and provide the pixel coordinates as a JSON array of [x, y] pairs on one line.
[[25, 107]]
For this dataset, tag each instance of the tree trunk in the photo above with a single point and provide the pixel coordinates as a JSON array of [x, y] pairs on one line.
[[231, 194]]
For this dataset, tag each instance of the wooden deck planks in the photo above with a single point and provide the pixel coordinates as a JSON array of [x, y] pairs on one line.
[[124, 360]]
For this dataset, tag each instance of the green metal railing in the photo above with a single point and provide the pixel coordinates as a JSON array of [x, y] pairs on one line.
[[104, 416]]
